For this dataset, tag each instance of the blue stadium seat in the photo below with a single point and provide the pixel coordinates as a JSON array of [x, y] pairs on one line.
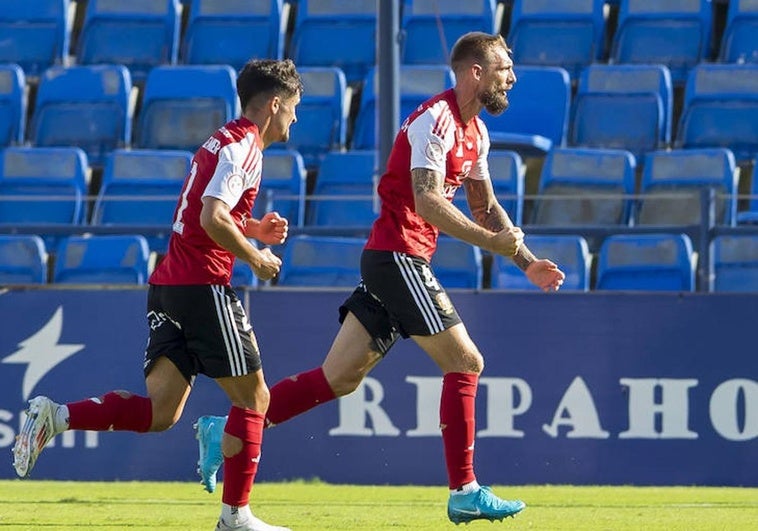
[[457, 264], [321, 261], [734, 263], [750, 215], [623, 107], [23, 260], [35, 34], [675, 33], [119, 259], [83, 106], [580, 186], [183, 105], [343, 194], [141, 187], [282, 187], [565, 33], [12, 104], [739, 43], [672, 181], [322, 114], [646, 262], [234, 31], [341, 34], [538, 117], [139, 34], [507, 173], [721, 109], [417, 84], [569, 251], [51, 184], [431, 27]]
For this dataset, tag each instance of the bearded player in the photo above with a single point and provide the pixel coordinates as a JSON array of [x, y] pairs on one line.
[[441, 146]]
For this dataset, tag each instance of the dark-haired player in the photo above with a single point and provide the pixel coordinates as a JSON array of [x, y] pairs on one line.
[[197, 323]]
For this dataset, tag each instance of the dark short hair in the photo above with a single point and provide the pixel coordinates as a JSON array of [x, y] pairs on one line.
[[475, 47], [269, 77]]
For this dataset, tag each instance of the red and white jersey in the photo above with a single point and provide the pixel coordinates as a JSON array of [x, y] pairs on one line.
[[433, 137], [228, 167]]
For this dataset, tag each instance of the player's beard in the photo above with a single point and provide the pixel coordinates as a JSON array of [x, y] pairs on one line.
[[495, 101]]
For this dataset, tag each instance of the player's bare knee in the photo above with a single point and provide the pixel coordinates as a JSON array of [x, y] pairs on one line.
[[163, 422], [472, 362], [346, 383], [262, 398]]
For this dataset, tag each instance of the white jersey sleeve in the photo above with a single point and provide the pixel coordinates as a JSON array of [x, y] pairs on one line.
[[238, 169], [481, 168], [431, 136]]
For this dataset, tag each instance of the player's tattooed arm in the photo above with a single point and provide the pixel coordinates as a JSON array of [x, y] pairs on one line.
[[484, 207], [434, 208], [426, 181], [488, 213]]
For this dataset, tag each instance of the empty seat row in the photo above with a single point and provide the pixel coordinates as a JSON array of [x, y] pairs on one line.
[[616, 106], [630, 107], [94, 108], [122, 259], [139, 188], [570, 33], [566, 33], [622, 107], [118, 259], [578, 187], [625, 262], [141, 34], [627, 107], [343, 193]]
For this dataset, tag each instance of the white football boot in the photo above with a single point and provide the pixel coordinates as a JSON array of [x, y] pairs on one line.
[[38, 429]]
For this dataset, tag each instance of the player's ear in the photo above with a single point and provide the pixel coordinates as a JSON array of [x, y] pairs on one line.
[[274, 104], [476, 71]]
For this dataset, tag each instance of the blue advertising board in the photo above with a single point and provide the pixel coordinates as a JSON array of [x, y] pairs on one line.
[[598, 388]]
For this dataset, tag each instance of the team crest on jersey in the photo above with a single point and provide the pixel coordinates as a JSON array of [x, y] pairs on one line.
[[444, 303], [435, 152], [235, 182]]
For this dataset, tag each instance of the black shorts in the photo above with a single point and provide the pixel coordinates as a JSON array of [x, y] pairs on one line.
[[201, 329], [399, 296]]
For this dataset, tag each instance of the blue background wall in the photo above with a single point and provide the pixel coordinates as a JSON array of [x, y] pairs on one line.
[[647, 389]]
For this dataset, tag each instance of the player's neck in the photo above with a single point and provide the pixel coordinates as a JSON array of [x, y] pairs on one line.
[[469, 105], [262, 122]]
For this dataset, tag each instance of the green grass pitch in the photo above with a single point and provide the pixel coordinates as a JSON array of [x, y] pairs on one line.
[[314, 506]]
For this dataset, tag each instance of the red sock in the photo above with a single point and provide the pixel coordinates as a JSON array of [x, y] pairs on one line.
[[240, 469], [297, 394], [117, 411], [457, 420]]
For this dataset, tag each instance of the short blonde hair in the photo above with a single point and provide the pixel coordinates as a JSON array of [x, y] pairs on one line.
[[475, 47]]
